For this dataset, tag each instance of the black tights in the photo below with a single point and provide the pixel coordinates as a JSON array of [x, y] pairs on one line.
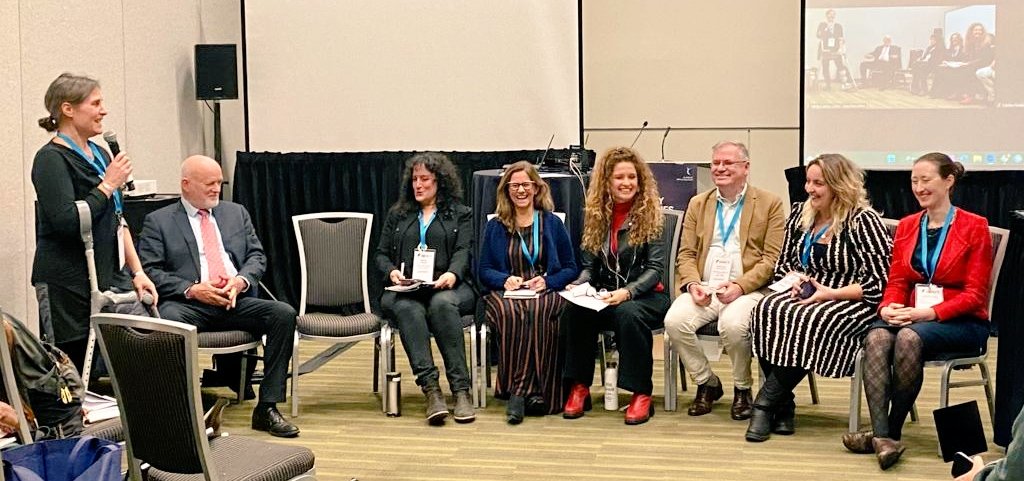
[[777, 392], [893, 372]]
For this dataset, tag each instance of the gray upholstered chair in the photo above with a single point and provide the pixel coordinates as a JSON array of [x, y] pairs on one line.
[[334, 302], [153, 365], [948, 362], [670, 235]]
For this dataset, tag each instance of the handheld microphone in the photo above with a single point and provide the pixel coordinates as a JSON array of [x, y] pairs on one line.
[[545, 156], [638, 134], [663, 138], [111, 138]]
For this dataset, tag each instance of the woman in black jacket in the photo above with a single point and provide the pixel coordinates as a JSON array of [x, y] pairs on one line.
[[622, 258], [427, 237]]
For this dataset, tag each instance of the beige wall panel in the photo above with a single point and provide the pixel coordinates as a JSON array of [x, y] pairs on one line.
[[15, 264], [164, 120], [690, 63]]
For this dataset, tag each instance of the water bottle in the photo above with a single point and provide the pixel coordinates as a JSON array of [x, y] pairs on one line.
[[394, 387], [611, 383]]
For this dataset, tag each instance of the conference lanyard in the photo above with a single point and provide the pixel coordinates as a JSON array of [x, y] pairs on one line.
[[929, 263], [809, 239], [96, 163], [423, 229], [732, 223], [532, 258]]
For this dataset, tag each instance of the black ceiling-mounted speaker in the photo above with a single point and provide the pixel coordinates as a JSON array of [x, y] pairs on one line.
[[216, 72]]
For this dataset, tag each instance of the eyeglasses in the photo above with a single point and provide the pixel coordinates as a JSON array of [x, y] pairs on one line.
[[527, 186], [727, 163]]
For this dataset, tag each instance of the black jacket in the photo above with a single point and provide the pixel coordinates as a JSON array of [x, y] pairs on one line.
[[452, 244], [639, 268]]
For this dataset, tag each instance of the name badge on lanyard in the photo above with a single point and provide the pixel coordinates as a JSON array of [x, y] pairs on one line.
[[721, 266], [422, 257], [809, 240], [531, 257], [122, 227], [101, 170], [928, 294]]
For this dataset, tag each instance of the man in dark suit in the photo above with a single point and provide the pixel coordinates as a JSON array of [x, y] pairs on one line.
[[885, 58], [829, 35], [206, 261]]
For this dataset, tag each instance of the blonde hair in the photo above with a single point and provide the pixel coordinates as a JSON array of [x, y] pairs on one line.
[[505, 210], [846, 181], [646, 211]]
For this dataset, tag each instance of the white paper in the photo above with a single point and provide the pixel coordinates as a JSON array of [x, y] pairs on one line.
[[589, 302], [786, 283], [927, 295], [98, 407], [423, 265]]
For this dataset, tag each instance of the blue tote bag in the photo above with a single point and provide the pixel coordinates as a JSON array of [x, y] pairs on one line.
[[84, 458]]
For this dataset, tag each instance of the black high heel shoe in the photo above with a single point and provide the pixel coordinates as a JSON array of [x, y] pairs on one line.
[[515, 409]]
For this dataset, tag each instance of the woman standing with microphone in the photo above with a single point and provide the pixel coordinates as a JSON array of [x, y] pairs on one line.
[[67, 169]]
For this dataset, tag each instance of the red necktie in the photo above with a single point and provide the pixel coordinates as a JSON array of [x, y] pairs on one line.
[[211, 248]]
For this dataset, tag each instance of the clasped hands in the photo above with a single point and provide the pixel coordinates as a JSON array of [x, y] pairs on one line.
[[444, 281], [726, 293], [899, 315], [537, 284], [223, 296], [613, 298]]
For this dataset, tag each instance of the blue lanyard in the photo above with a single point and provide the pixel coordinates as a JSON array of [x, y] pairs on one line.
[[96, 163], [532, 258], [929, 263], [732, 223], [423, 229], [809, 238]]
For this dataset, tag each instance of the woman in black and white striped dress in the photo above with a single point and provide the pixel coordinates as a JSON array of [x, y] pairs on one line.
[[836, 251]]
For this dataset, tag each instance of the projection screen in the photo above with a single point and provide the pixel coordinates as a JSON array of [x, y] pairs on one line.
[[366, 75]]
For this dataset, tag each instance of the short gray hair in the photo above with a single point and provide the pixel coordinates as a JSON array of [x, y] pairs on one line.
[[744, 153]]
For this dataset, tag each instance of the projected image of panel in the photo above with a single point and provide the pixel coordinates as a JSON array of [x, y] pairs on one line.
[[886, 81]]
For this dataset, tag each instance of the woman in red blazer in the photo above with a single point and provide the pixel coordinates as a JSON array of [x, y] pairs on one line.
[[936, 301]]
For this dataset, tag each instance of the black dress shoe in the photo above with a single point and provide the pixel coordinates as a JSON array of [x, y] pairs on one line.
[[760, 428], [515, 409], [269, 419], [536, 406], [783, 422]]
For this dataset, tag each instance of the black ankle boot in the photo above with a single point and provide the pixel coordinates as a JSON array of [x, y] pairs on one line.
[[784, 420], [760, 428], [515, 409]]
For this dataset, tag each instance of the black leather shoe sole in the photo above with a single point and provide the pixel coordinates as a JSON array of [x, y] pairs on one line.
[[282, 429], [784, 427], [756, 437], [437, 419]]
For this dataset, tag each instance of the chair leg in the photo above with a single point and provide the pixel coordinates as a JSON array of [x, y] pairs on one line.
[[856, 384], [387, 351], [243, 378], [988, 392], [604, 354], [813, 384], [669, 376], [474, 362], [295, 375], [913, 413], [681, 369], [485, 362], [376, 367]]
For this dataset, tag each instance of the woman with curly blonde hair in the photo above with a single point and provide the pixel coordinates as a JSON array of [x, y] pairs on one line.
[[836, 251], [622, 258]]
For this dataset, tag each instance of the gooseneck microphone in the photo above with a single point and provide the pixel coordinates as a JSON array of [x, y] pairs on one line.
[[111, 138], [663, 138], [638, 134]]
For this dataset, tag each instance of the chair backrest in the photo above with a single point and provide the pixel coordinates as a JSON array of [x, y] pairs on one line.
[[10, 392], [670, 235], [333, 246], [1000, 238], [153, 367]]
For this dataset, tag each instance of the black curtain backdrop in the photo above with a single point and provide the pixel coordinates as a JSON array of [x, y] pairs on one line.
[[1009, 375], [275, 186]]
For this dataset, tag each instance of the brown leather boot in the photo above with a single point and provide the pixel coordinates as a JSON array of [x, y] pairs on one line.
[[706, 395], [742, 404]]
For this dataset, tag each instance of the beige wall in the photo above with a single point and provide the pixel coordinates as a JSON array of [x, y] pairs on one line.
[[141, 52], [684, 63]]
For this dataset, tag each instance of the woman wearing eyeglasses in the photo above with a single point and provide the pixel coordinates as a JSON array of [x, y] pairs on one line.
[[936, 302], [526, 247], [622, 254]]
